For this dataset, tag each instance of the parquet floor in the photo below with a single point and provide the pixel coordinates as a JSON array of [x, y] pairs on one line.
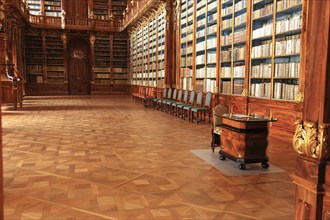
[[107, 157]]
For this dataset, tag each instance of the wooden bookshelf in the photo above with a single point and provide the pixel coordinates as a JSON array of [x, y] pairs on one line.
[[101, 9], [187, 44], [53, 8], [120, 62], [54, 60], [147, 53], [118, 7], [160, 48], [34, 7], [206, 45], [34, 59], [102, 72], [275, 52], [233, 46]]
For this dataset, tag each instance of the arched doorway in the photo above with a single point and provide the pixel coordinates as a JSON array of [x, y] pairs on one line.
[[79, 69]]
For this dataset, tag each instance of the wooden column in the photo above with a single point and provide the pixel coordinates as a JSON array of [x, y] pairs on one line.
[[43, 33], [92, 41], [311, 139], [2, 69], [90, 8], [64, 38], [170, 46], [111, 59]]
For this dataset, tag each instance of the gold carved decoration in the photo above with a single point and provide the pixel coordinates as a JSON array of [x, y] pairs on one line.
[[245, 92], [64, 38], [299, 97], [311, 139], [92, 39]]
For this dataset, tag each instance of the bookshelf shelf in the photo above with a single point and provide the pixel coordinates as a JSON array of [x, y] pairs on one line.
[[54, 59], [34, 59], [34, 7], [102, 59]]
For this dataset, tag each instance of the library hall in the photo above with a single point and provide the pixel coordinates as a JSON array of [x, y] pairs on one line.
[[165, 109]]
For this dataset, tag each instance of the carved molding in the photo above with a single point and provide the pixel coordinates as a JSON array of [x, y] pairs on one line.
[[311, 139]]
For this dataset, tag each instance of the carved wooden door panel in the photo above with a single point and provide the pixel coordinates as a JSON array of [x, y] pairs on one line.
[[79, 80]]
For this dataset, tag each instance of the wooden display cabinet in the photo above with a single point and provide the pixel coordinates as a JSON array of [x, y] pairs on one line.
[[244, 139]]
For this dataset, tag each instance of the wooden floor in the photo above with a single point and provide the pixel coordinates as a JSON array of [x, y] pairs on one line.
[[107, 157]]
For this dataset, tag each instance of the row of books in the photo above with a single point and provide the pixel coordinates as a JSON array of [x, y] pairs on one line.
[[211, 29], [55, 68], [225, 55], [210, 85], [200, 59], [238, 87], [53, 14], [186, 84], [263, 70], [281, 5], [239, 53], [34, 67], [225, 87], [263, 50], [185, 72], [265, 30], [287, 45], [209, 71], [288, 24], [240, 19], [239, 71], [261, 90], [240, 5], [291, 69], [228, 23], [225, 72], [212, 6], [238, 36], [226, 11], [266, 10], [211, 57], [102, 76], [120, 76], [285, 91]]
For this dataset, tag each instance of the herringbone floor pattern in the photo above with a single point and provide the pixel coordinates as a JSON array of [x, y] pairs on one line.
[[106, 157]]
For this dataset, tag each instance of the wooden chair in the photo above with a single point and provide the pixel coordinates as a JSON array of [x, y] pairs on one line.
[[217, 123], [148, 99], [167, 103], [182, 101], [155, 101], [202, 109], [172, 106], [187, 108], [160, 101], [190, 103]]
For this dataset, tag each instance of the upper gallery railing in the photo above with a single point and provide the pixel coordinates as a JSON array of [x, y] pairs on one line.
[[134, 10], [63, 22]]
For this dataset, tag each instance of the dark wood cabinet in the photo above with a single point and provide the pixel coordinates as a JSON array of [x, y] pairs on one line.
[[244, 139]]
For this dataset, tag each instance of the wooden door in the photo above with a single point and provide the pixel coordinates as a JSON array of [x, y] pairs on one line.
[[79, 74]]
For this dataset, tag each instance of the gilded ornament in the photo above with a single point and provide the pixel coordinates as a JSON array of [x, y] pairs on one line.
[[311, 139], [92, 39], [245, 92], [299, 97]]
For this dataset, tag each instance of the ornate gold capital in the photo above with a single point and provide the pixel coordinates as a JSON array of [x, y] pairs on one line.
[[311, 139]]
